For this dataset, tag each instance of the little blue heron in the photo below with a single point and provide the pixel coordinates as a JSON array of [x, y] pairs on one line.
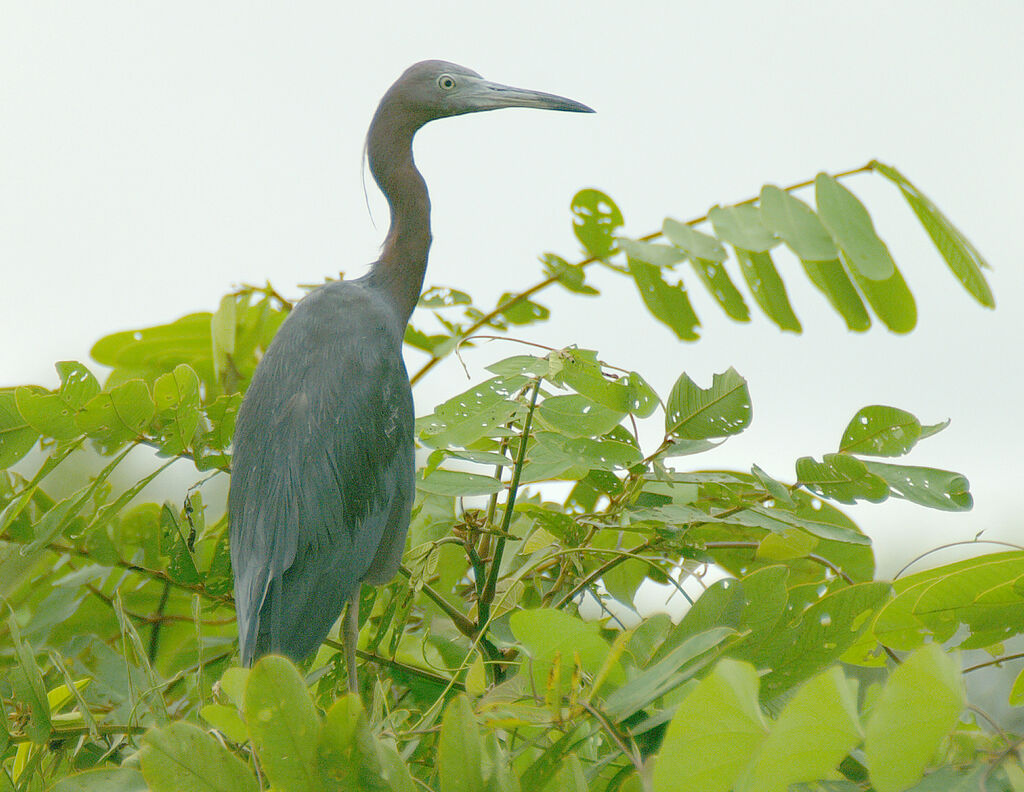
[[322, 478]]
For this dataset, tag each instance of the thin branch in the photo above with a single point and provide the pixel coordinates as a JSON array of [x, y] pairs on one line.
[[996, 661], [487, 318]]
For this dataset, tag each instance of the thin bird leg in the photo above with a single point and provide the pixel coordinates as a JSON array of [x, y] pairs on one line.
[[350, 631]]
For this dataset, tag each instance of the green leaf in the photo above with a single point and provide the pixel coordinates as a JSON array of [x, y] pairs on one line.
[[962, 257], [349, 758], [223, 329], [155, 350], [713, 734], [181, 757], [444, 297], [841, 477], [457, 483], [741, 227], [31, 688], [850, 226], [683, 662], [52, 414], [919, 705], [668, 303], [226, 720], [283, 724], [549, 635], [103, 779], [814, 731], [883, 431], [481, 411], [115, 417], [593, 454], [890, 299], [577, 416], [595, 221], [570, 276], [176, 396], [831, 280], [797, 224], [16, 436], [694, 243], [695, 413], [581, 371], [459, 754], [779, 491], [716, 280], [523, 312], [936, 489], [767, 288], [650, 252]]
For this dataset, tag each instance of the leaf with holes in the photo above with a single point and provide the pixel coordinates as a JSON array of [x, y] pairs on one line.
[[481, 411], [571, 276], [937, 489], [596, 218], [523, 312], [668, 303], [695, 413], [443, 297], [767, 288], [176, 396], [878, 430], [577, 416], [841, 477], [116, 416], [16, 435]]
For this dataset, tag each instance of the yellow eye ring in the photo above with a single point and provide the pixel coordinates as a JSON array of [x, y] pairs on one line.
[[446, 82]]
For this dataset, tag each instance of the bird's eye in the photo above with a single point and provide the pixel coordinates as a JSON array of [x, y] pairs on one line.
[[446, 81]]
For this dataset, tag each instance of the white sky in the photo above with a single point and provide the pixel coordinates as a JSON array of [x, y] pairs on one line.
[[154, 155]]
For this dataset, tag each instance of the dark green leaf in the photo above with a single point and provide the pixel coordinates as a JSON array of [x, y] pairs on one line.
[[962, 257], [695, 413], [596, 219], [850, 226], [667, 302]]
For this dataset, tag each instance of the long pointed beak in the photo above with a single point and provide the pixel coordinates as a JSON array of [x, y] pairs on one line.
[[485, 95]]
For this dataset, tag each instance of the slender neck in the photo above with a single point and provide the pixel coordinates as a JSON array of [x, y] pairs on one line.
[[403, 260]]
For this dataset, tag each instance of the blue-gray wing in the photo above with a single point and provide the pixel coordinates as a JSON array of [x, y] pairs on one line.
[[322, 471]]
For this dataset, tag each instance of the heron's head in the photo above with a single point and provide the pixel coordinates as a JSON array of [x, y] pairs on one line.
[[437, 89]]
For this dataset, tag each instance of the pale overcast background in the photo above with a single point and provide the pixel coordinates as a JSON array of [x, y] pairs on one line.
[[154, 155]]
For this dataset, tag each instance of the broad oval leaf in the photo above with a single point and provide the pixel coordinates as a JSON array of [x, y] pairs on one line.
[[594, 454], [103, 779], [16, 435], [879, 430], [919, 705], [180, 756], [283, 724], [595, 221], [577, 416], [481, 411], [459, 751], [551, 636], [851, 227], [695, 413], [116, 416], [713, 734]]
